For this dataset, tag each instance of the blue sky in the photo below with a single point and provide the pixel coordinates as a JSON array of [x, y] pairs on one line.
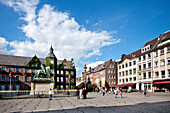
[[80, 29]]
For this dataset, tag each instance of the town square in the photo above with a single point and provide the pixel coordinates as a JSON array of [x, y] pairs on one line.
[[95, 103], [85, 56]]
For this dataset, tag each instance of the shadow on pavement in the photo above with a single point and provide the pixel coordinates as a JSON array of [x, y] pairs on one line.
[[159, 107]]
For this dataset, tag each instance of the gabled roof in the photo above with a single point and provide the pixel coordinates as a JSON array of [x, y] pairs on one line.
[[138, 53], [131, 55], [14, 60], [99, 67], [21, 60], [164, 41]]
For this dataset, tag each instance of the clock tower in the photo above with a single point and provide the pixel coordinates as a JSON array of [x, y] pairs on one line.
[[51, 61]]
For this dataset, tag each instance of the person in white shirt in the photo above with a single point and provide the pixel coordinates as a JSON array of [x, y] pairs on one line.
[[50, 94]]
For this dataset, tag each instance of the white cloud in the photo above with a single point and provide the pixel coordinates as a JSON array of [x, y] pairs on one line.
[[94, 64], [3, 46], [46, 25]]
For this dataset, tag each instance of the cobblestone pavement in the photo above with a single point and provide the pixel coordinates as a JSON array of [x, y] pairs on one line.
[[96, 103]]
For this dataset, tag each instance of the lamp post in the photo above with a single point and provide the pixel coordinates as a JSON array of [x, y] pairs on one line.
[[10, 82], [69, 76], [85, 67]]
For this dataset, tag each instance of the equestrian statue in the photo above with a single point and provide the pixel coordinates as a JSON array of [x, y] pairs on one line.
[[43, 73]]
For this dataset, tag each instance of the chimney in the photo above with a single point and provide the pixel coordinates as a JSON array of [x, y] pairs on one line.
[[123, 55]]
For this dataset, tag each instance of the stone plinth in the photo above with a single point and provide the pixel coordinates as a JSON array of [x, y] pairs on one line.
[[41, 87]]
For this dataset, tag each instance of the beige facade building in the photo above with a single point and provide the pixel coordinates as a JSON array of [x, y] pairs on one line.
[[161, 62], [127, 71], [152, 69]]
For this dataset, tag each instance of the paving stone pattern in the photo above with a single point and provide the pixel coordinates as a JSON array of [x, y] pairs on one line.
[[95, 103]]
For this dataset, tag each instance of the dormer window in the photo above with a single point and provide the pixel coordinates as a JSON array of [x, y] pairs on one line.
[[146, 48]]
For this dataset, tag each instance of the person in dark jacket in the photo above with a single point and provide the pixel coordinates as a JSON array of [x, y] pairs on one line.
[[84, 93], [78, 94]]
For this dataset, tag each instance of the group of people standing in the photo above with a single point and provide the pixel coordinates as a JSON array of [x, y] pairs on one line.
[[81, 94], [115, 91], [118, 92]]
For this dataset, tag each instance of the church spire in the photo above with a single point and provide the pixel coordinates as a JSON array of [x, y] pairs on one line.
[[51, 54], [51, 49]]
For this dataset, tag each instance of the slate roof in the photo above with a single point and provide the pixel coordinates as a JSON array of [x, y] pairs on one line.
[[99, 67], [21, 60], [131, 55]]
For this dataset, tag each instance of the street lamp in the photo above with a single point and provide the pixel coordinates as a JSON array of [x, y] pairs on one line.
[[10, 82], [85, 67]]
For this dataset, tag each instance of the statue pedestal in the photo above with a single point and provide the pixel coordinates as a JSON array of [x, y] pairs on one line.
[[41, 87]]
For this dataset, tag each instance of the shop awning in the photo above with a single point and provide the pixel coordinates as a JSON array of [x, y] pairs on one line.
[[120, 85], [130, 84], [162, 82]]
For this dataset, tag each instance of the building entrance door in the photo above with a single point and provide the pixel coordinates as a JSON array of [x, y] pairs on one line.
[[140, 86]]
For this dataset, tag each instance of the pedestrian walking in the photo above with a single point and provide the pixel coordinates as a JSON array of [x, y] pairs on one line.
[[84, 93], [103, 91], [145, 92], [115, 91], [78, 93], [81, 93], [50, 94], [120, 93]]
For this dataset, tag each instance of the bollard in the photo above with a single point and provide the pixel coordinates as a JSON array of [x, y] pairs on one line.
[[17, 95]]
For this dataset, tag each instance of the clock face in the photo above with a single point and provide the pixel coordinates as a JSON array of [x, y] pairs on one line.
[[52, 62]]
